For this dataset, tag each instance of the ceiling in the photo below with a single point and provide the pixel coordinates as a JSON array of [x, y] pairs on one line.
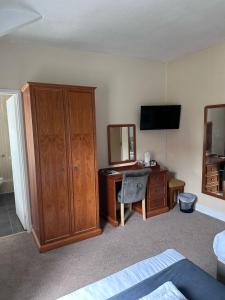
[[154, 29]]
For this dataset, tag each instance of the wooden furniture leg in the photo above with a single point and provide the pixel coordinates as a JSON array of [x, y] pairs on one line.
[[122, 213], [130, 207], [175, 187], [171, 198], [172, 191], [143, 210], [180, 190]]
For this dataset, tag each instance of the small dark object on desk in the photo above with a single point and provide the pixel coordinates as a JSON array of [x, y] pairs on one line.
[[153, 163]]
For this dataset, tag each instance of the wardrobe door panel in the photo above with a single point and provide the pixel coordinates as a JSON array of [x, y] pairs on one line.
[[82, 143], [50, 115]]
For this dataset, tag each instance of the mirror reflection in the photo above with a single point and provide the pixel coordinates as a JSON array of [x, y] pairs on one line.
[[214, 151], [121, 143]]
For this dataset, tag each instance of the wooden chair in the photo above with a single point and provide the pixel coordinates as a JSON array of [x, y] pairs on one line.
[[174, 186], [133, 190]]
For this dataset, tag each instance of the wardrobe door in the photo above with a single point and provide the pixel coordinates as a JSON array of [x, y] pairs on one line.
[[55, 201], [83, 163]]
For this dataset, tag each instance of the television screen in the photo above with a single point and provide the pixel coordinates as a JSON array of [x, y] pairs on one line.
[[160, 117]]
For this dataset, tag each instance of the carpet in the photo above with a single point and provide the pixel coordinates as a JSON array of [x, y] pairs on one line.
[[26, 274]]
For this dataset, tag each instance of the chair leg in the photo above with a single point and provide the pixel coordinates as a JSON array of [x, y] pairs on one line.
[[143, 210], [122, 213]]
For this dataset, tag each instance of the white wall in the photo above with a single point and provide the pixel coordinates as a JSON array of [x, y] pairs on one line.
[[194, 81], [5, 155], [123, 84]]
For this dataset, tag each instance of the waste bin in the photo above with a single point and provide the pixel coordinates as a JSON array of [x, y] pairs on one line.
[[187, 202]]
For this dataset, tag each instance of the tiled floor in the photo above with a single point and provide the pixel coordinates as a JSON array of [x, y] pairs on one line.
[[9, 222]]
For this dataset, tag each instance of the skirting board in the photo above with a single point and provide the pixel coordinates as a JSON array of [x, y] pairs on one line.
[[210, 212]]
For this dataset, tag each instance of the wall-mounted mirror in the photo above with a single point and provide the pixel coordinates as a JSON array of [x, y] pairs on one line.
[[213, 173], [121, 143]]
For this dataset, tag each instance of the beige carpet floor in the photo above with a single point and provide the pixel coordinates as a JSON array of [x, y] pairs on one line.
[[26, 274]]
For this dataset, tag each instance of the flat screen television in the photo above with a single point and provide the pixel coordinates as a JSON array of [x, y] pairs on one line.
[[160, 117]]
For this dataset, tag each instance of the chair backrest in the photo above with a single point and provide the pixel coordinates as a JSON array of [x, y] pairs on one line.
[[134, 185]]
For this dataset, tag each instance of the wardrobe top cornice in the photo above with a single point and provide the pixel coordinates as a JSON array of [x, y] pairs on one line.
[[42, 84]]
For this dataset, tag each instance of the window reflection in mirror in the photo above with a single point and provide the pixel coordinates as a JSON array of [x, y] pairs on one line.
[[131, 135], [213, 181], [121, 143]]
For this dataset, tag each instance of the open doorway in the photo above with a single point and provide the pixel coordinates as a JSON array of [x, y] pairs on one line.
[[14, 195]]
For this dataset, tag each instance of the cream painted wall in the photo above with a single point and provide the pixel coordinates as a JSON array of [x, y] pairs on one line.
[[5, 155], [123, 84], [194, 81]]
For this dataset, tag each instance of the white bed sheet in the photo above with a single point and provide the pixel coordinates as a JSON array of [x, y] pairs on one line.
[[122, 280]]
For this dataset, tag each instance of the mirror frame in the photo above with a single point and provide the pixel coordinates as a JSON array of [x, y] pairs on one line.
[[109, 144], [204, 191]]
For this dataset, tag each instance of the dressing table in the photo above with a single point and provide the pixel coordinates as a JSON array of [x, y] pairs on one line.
[[110, 180], [122, 150]]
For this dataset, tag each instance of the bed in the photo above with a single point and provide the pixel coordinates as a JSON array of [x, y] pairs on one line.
[[143, 278]]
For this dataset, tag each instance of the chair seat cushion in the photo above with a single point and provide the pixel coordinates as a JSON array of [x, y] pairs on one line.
[[173, 183]]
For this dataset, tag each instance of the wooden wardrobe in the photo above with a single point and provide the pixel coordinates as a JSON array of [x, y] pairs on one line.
[[62, 168]]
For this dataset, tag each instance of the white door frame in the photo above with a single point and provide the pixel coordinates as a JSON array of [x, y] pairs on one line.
[[23, 162]]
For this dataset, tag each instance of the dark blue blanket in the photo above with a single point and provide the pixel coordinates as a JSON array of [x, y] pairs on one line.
[[192, 282]]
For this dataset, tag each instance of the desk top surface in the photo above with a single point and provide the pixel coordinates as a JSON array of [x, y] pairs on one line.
[[116, 172], [214, 160]]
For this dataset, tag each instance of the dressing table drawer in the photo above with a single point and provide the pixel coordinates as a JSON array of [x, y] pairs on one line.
[[157, 202], [212, 189], [213, 168], [156, 179], [156, 192], [212, 179]]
